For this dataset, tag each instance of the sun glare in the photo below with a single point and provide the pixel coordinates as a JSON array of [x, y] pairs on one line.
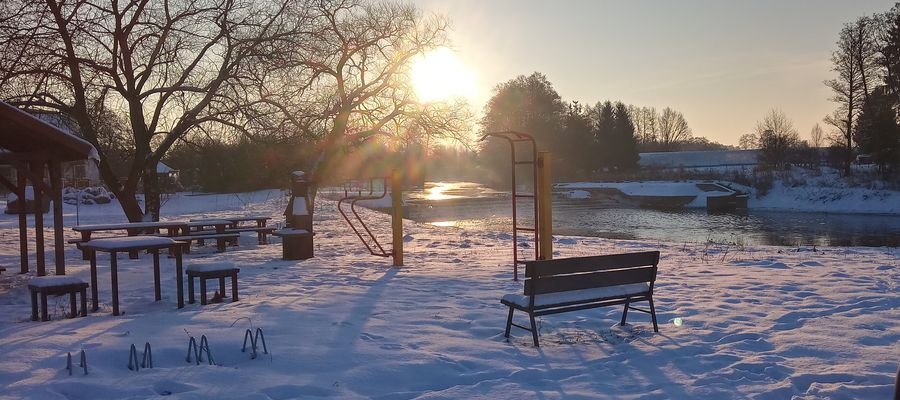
[[439, 75]]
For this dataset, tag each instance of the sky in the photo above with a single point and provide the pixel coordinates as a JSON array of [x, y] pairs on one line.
[[724, 64]]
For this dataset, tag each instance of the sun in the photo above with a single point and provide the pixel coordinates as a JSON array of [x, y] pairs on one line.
[[440, 75]]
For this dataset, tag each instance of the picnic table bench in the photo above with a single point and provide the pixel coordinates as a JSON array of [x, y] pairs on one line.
[[571, 284], [234, 226], [173, 228]]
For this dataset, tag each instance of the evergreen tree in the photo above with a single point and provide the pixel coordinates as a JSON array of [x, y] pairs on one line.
[[577, 148], [624, 142], [877, 132], [604, 120]]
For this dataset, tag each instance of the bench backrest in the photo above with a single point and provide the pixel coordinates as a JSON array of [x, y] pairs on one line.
[[564, 274]]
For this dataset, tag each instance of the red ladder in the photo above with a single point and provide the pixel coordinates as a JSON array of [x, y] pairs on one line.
[[514, 138]]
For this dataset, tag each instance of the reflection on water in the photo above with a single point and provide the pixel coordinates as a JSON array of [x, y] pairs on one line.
[[471, 206]]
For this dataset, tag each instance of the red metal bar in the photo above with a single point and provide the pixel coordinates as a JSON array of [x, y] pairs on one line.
[[512, 138], [353, 199]]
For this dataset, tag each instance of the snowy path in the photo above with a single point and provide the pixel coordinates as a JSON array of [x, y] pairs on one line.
[[760, 322]]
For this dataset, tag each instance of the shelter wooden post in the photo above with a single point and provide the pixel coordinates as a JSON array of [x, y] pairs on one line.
[[56, 188], [30, 144], [36, 170], [397, 218], [21, 167]]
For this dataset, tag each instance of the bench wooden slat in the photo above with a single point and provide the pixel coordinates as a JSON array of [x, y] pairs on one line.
[[564, 283], [593, 263]]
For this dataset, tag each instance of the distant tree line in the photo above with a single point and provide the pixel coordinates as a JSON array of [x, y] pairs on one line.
[[584, 139]]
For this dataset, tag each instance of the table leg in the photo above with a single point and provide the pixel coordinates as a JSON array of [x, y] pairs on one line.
[[72, 305], [179, 284], [114, 278], [156, 284], [34, 305], [85, 237], [83, 302], [95, 303], [45, 316]]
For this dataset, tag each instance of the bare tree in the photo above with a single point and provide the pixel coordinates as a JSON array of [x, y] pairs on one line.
[[645, 123], [748, 141], [851, 86], [168, 68], [358, 68], [816, 136], [777, 137], [673, 128]]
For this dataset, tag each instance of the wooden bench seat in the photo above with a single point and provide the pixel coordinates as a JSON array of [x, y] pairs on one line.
[[571, 284], [57, 285], [261, 231], [218, 271], [220, 238]]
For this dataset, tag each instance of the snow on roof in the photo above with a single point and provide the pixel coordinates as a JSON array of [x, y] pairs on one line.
[[162, 168], [22, 131]]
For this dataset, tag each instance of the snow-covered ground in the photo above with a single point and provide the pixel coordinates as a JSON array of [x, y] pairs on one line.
[[758, 322]]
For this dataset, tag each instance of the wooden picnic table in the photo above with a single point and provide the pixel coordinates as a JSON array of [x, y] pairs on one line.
[[173, 228], [133, 244]]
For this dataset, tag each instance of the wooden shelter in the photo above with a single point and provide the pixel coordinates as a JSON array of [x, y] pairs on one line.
[[36, 149]]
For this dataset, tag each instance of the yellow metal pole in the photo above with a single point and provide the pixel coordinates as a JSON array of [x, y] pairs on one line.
[[545, 206], [397, 218]]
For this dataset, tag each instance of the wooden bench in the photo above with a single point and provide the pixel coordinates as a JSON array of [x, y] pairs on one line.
[[212, 271], [57, 285], [571, 284], [261, 232], [220, 239]]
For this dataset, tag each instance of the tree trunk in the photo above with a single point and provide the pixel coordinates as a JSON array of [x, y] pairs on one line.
[[151, 192], [322, 166]]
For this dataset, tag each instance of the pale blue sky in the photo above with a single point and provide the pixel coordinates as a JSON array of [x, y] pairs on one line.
[[724, 64]]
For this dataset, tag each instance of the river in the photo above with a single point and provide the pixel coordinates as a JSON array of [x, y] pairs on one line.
[[472, 206]]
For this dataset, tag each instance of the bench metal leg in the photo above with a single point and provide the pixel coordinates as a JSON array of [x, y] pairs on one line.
[[220, 245], [222, 286], [508, 322], [625, 312], [653, 316], [234, 288], [34, 306], [191, 289], [534, 332]]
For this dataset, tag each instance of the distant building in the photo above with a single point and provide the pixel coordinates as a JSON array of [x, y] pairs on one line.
[[699, 159]]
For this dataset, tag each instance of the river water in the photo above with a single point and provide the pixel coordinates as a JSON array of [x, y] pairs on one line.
[[472, 206]]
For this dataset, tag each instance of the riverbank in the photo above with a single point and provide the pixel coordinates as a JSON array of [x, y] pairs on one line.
[[799, 190], [757, 322]]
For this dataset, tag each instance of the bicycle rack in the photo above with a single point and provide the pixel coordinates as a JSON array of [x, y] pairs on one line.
[[81, 364], [253, 341], [198, 350], [381, 252]]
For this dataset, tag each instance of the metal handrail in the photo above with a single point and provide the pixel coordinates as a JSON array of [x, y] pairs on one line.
[[353, 199]]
